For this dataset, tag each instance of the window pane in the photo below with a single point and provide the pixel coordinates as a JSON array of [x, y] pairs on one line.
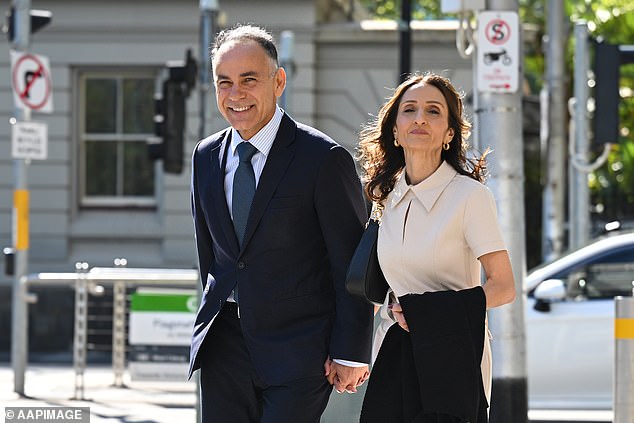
[[138, 106], [101, 105], [101, 168], [138, 170]]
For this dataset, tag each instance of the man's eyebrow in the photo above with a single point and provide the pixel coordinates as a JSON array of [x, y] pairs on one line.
[[242, 75], [249, 73]]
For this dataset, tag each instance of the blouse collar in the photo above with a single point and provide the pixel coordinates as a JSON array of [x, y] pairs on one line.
[[428, 190]]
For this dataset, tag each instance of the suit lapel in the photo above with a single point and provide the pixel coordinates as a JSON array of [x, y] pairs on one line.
[[218, 186], [276, 164]]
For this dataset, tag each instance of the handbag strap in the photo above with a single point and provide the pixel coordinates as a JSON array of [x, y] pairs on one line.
[[377, 211]]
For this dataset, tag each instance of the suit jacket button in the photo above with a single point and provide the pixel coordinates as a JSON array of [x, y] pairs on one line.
[[241, 265]]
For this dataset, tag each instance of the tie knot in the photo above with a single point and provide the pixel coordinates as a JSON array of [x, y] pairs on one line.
[[246, 150]]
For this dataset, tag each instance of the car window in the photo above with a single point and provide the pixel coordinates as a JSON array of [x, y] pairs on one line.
[[602, 277]]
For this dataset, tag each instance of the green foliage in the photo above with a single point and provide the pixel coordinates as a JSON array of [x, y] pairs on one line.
[[391, 9], [611, 185]]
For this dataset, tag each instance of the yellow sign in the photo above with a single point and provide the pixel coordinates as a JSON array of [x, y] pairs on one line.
[[624, 328], [21, 219]]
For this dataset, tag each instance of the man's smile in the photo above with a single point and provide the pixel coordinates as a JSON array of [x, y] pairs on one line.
[[240, 109]]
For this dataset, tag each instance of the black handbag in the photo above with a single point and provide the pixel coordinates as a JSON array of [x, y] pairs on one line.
[[365, 278]]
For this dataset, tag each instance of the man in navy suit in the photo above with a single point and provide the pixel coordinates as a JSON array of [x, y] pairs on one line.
[[276, 327]]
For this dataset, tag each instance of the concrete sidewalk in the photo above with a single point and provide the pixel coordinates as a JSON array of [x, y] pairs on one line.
[[54, 385], [167, 402]]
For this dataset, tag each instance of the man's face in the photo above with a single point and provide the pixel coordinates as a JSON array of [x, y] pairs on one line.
[[247, 86]]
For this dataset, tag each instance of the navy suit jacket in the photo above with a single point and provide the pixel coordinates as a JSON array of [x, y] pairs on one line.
[[305, 222]]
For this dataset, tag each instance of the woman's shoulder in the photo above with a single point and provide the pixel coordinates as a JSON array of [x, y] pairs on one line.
[[472, 193], [468, 184]]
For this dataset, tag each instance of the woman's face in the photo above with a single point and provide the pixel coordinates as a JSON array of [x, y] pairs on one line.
[[422, 120]]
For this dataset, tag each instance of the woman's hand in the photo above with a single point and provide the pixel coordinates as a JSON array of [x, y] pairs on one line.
[[397, 311]]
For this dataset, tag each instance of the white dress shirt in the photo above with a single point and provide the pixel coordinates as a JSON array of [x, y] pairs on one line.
[[263, 141]]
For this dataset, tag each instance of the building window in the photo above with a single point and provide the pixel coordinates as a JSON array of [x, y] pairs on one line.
[[116, 117]]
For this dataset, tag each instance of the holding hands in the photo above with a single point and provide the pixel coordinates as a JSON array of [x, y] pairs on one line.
[[345, 378]]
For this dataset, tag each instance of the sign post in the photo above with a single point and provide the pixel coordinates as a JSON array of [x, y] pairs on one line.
[[19, 313], [499, 126], [32, 89]]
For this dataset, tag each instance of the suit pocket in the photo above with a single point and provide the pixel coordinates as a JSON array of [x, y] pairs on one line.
[[278, 203]]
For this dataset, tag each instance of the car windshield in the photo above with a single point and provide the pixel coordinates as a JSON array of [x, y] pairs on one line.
[[570, 252], [602, 269]]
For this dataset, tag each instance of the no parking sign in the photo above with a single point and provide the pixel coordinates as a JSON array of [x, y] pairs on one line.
[[498, 58], [31, 80]]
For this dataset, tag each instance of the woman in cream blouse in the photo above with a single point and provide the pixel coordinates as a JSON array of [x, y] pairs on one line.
[[439, 223]]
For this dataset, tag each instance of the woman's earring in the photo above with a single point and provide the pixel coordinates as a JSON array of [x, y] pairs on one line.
[[396, 144], [445, 146]]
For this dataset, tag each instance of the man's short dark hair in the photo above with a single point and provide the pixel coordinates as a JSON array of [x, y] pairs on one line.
[[242, 32]]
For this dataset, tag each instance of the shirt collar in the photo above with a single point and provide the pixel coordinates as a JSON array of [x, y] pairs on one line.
[[263, 140], [428, 190]]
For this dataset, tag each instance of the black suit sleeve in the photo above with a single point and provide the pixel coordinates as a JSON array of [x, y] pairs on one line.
[[342, 214]]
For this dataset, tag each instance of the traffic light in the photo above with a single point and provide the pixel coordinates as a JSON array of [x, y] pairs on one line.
[[606, 93], [608, 59], [39, 19], [173, 126], [170, 114]]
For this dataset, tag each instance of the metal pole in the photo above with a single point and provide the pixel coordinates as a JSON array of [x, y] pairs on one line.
[[19, 314], [624, 360], [208, 12], [81, 329], [579, 193], [554, 191], [499, 120], [118, 326], [405, 37], [287, 41]]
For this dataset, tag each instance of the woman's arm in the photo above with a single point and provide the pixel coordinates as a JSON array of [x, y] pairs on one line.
[[499, 287]]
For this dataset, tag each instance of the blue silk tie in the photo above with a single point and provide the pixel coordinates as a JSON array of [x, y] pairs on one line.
[[243, 191]]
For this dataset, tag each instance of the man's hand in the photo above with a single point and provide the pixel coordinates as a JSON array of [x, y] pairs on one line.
[[345, 378]]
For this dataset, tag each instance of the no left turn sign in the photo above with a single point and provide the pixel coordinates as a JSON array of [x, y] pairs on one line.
[[31, 80]]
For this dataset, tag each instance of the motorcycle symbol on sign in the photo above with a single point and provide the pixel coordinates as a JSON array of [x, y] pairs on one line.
[[494, 56]]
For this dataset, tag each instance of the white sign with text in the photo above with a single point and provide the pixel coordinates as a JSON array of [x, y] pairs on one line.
[[29, 140], [498, 52]]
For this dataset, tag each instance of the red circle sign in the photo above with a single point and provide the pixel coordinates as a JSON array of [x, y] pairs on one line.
[[29, 74], [497, 31]]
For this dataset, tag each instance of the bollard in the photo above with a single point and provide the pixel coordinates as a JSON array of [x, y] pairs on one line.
[[624, 360]]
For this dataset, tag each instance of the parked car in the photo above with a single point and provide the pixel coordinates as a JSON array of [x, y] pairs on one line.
[[570, 324]]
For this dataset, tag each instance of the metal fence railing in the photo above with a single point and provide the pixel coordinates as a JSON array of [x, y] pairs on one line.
[[86, 281]]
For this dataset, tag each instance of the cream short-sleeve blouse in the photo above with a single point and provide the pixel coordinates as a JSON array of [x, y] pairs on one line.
[[432, 233], [431, 236]]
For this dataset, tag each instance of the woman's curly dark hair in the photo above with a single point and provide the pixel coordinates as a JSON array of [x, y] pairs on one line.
[[382, 162]]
